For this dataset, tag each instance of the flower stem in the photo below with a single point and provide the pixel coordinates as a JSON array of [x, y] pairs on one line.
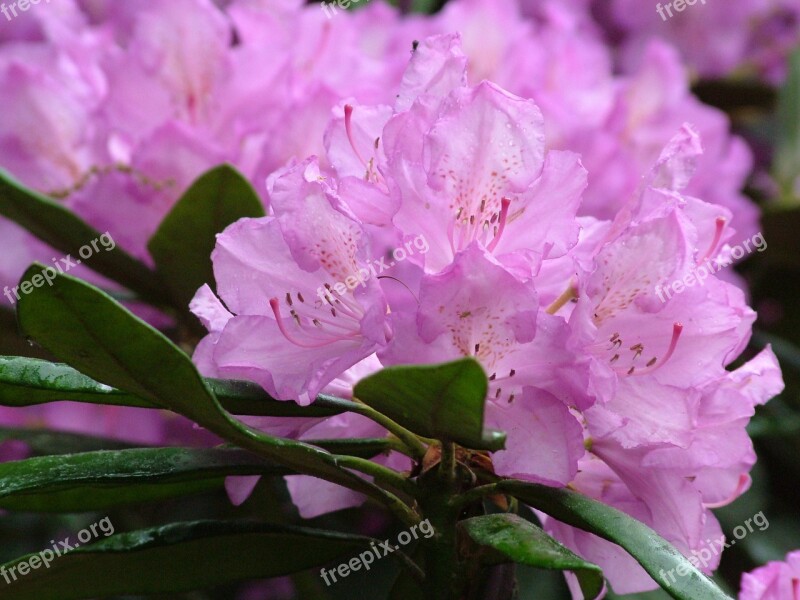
[[443, 577], [270, 447], [413, 443], [441, 558], [473, 495], [379, 472], [447, 466]]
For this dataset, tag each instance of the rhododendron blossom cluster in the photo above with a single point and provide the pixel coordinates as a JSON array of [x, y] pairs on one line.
[[411, 265], [749, 37], [110, 90], [104, 103], [598, 384]]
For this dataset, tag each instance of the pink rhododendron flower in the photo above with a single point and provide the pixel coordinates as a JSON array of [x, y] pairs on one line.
[[127, 88], [618, 124], [638, 380], [298, 309], [135, 104], [749, 35], [662, 434], [505, 195], [774, 581], [532, 374]]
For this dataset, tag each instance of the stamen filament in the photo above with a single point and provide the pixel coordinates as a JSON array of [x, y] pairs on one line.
[[276, 310], [677, 329], [504, 204], [720, 228], [348, 125], [567, 295]]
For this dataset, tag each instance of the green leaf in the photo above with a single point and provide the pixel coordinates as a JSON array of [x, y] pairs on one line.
[[57, 226], [787, 151], [107, 478], [30, 381], [406, 587], [90, 331], [45, 442], [417, 6], [248, 398], [179, 557], [444, 401], [362, 447], [656, 555], [182, 246], [426, 6], [503, 538]]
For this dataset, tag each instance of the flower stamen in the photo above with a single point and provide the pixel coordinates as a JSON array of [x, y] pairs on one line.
[[719, 230], [498, 230]]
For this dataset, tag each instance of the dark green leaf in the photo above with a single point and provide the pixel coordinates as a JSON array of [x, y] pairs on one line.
[[736, 94], [363, 447], [247, 398], [178, 558], [182, 246], [502, 538], [444, 401], [427, 6], [90, 331], [29, 381], [100, 480], [656, 555], [406, 587], [418, 6], [45, 442], [64, 231], [787, 152]]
